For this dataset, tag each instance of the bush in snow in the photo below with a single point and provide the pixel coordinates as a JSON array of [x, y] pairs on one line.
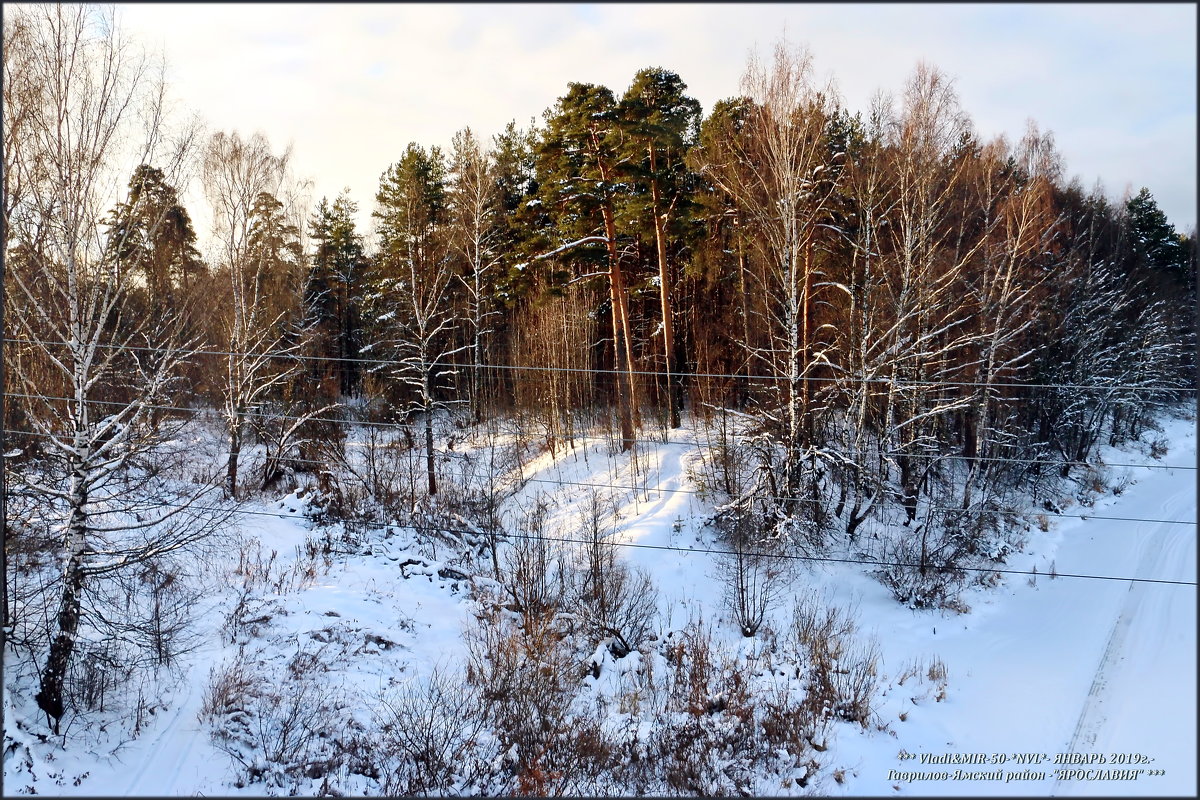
[[533, 568], [281, 730], [755, 571], [611, 602], [841, 670], [528, 677], [426, 735], [924, 567], [715, 730]]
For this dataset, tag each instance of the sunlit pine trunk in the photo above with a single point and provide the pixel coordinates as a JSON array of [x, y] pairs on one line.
[[674, 387]]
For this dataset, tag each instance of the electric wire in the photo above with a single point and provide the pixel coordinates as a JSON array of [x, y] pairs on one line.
[[653, 442], [709, 551], [182, 352]]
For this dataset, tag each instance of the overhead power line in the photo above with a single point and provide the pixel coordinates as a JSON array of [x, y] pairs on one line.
[[927, 384], [708, 551], [654, 442]]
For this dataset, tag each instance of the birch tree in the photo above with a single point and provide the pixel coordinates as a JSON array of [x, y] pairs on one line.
[[864, 351], [773, 171], [472, 200], [1004, 293], [925, 330], [240, 177], [90, 369]]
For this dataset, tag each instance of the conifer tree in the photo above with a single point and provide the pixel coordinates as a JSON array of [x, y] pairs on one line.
[[332, 290], [579, 157], [660, 123], [523, 220], [413, 316], [1152, 239], [274, 244], [151, 233]]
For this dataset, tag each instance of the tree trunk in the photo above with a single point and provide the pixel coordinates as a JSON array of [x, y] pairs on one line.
[[235, 449], [476, 371], [621, 337], [908, 486], [429, 467], [674, 389], [50, 697]]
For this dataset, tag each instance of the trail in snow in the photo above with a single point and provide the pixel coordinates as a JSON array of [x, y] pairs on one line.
[[174, 741], [1138, 657], [1041, 665]]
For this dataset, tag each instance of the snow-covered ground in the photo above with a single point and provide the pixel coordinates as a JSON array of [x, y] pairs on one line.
[[1040, 665], [1070, 665]]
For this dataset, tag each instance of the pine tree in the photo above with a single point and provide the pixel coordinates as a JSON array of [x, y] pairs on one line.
[[660, 122], [523, 220], [151, 233], [579, 156], [274, 245], [719, 260], [412, 305]]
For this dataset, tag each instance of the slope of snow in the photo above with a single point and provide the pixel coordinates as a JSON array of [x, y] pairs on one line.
[[1039, 665], [1069, 664]]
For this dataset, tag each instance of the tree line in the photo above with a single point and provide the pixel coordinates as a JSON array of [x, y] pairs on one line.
[[906, 314]]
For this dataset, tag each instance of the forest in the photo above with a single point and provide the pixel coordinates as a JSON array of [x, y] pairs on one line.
[[885, 334]]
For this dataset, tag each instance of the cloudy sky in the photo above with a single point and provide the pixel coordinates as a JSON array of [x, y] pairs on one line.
[[350, 85]]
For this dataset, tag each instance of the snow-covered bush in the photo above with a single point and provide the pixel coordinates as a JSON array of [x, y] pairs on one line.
[[280, 729], [719, 727], [842, 670], [934, 585], [528, 676], [611, 603], [426, 735], [614, 605], [533, 568]]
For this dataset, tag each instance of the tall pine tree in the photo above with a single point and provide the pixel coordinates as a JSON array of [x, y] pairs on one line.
[[660, 123]]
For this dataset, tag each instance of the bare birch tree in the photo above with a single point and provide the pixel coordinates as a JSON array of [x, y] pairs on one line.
[[773, 172], [472, 200], [1006, 290], [89, 369], [240, 177], [925, 330]]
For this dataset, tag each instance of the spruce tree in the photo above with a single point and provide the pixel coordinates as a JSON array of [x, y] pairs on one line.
[[1152, 239], [332, 291]]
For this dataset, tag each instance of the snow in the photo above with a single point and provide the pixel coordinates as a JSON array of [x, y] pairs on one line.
[[1034, 663], [1037, 665]]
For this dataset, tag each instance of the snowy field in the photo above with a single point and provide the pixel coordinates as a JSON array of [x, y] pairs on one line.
[[1040, 666]]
